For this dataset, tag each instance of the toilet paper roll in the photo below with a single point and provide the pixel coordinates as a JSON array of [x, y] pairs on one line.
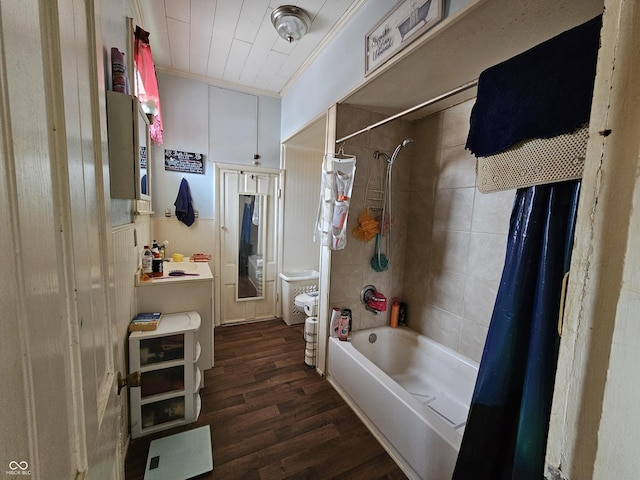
[[311, 326], [311, 310], [311, 361]]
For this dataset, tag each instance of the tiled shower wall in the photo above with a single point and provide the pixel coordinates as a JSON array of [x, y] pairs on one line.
[[457, 239], [448, 238], [351, 268]]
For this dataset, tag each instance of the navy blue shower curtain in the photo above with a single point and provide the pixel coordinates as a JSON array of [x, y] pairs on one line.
[[506, 432]]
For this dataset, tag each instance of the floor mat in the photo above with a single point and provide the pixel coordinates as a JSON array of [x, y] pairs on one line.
[[180, 456]]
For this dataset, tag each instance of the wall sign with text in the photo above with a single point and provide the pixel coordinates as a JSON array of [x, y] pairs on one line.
[[402, 25], [177, 161]]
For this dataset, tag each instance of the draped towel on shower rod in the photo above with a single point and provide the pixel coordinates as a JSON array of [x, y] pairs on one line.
[[529, 125]]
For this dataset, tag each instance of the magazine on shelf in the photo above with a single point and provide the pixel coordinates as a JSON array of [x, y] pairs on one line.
[[145, 321]]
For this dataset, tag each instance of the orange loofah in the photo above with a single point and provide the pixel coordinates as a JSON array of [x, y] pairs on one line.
[[367, 227]]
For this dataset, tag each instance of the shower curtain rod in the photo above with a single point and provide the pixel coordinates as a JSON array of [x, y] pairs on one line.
[[444, 96]]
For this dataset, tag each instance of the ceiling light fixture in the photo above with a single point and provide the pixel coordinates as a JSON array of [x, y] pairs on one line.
[[290, 22]]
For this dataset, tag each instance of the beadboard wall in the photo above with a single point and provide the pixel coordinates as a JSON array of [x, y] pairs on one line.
[[198, 238], [302, 190], [127, 242]]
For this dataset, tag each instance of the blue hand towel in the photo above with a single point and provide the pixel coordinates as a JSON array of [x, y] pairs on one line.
[[541, 93], [184, 208]]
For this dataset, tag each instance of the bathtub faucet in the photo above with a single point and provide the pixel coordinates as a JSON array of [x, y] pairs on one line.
[[373, 300]]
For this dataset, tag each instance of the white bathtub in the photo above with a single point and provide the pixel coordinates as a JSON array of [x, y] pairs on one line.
[[411, 392]]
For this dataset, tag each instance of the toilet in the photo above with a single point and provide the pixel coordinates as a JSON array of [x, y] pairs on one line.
[[308, 303]]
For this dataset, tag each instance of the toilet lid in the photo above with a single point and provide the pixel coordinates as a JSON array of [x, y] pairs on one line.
[[306, 299]]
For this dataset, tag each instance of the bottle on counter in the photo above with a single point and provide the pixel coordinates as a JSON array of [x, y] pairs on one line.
[[147, 264], [162, 247], [395, 311], [157, 261], [343, 326], [335, 321]]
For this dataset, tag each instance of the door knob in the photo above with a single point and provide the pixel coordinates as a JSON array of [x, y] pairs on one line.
[[134, 379]]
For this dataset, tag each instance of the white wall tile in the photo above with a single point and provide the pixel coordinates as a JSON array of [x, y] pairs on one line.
[[472, 340], [449, 250], [479, 299], [442, 326], [492, 211], [454, 209], [457, 168], [455, 124], [486, 255], [446, 291]]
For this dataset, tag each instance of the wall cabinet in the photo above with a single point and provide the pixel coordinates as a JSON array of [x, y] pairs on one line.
[[170, 378], [242, 125], [129, 147]]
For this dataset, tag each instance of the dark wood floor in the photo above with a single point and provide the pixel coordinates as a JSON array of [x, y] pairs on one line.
[[273, 417]]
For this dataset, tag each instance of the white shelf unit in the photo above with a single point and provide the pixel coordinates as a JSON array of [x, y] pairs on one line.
[[170, 378]]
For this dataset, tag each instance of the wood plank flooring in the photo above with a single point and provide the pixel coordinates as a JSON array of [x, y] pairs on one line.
[[273, 417]]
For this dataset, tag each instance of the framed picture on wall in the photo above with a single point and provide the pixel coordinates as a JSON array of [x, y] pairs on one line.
[[404, 23]]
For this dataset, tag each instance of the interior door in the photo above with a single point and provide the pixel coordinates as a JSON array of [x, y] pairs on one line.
[[87, 159], [236, 187], [60, 416]]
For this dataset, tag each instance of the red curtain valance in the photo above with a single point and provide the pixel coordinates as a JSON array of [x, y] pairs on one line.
[[146, 83]]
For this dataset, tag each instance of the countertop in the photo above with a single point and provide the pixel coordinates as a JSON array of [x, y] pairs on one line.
[[200, 268]]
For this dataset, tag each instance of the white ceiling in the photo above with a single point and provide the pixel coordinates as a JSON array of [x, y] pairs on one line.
[[233, 43]]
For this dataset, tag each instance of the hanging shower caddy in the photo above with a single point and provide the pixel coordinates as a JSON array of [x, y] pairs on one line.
[[338, 172]]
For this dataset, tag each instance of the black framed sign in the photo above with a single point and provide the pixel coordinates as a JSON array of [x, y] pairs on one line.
[[187, 162], [405, 22]]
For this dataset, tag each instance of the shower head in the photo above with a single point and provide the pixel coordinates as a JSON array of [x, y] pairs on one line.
[[406, 142]]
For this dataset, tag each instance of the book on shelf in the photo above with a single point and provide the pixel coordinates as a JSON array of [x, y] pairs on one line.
[[145, 321]]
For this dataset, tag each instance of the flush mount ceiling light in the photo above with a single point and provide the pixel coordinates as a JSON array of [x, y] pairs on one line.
[[290, 22]]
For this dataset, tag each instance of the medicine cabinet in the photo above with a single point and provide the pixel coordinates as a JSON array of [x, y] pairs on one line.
[[129, 147]]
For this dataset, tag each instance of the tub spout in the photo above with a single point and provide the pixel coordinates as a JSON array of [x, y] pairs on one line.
[[372, 310]]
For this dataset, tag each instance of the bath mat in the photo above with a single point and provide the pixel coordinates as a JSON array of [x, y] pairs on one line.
[[180, 456]]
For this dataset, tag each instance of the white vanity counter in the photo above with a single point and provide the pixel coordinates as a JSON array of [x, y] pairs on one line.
[[175, 294], [201, 269]]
